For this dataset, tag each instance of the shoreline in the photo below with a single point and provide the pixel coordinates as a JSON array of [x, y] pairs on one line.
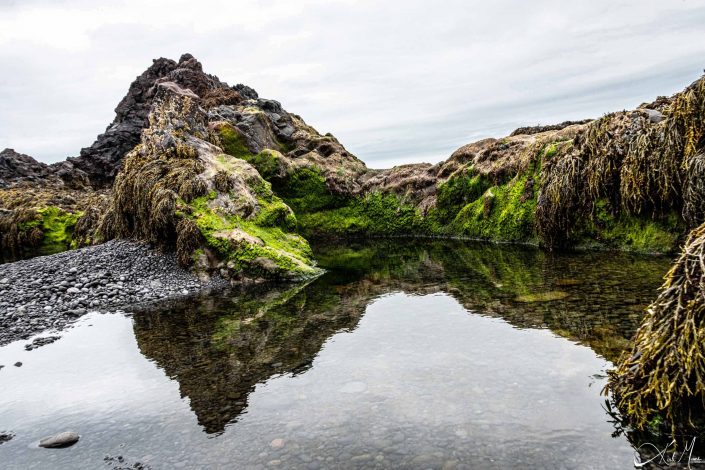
[[51, 292]]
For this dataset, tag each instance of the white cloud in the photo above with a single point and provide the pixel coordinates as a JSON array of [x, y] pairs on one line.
[[395, 81]]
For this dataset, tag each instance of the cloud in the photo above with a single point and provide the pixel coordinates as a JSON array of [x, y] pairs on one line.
[[397, 81]]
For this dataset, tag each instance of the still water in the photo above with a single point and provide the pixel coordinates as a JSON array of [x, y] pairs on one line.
[[405, 354]]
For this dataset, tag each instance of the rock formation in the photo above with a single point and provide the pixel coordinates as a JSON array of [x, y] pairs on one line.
[[178, 188], [629, 180]]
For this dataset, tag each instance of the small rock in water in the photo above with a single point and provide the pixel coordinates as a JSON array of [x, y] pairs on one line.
[[39, 342], [18, 364], [63, 439], [6, 436], [277, 443]]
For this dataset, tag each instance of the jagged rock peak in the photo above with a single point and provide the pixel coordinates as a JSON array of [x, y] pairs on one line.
[[102, 160]]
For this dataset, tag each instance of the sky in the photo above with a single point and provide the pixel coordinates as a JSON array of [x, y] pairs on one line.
[[396, 81]]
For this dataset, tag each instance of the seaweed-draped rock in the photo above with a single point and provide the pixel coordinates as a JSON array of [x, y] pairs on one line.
[[44, 209], [630, 180], [179, 189], [663, 376], [103, 159]]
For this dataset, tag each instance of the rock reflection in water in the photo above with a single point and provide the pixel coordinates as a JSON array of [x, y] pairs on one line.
[[219, 348]]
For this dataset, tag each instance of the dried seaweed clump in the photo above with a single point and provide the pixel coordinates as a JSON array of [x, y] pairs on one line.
[[19, 233], [651, 179], [604, 145], [664, 374], [145, 195], [686, 116], [162, 169], [188, 240], [86, 230], [560, 201], [640, 163], [694, 191]]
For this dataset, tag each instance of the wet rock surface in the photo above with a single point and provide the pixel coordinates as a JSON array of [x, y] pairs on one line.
[[51, 292], [6, 436]]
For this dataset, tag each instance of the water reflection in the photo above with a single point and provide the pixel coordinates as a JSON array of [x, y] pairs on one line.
[[219, 348]]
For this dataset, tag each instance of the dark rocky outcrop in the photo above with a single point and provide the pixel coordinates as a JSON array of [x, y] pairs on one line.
[[102, 160], [20, 167], [178, 188]]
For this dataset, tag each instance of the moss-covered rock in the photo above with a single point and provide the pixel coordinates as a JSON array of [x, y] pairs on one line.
[[179, 190], [374, 215], [504, 212]]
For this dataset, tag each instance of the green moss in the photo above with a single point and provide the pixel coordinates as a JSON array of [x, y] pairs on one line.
[[280, 254], [504, 212], [458, 191], [275, 213], [542, 296], [634, 233], [305, 191], [267, 163], [374, 215], [550, 151], [57, 226], [234, 143]]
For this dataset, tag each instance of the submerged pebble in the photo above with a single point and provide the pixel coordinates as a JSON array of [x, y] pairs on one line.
[[277, 443], [63, 439]]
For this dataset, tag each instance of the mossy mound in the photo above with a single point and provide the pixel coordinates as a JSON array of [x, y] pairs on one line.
[[42, 221], [374, 215], [504, 212], [179, 190]]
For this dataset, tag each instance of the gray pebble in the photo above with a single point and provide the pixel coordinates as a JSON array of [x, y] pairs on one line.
[[63, 439]]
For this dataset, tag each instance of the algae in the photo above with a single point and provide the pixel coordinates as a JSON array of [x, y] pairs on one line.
[[548, 296]]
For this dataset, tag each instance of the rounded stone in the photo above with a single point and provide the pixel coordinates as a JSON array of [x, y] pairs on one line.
[[63, 439]]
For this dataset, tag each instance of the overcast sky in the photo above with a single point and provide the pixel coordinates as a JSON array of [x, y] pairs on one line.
[[395, 81]]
